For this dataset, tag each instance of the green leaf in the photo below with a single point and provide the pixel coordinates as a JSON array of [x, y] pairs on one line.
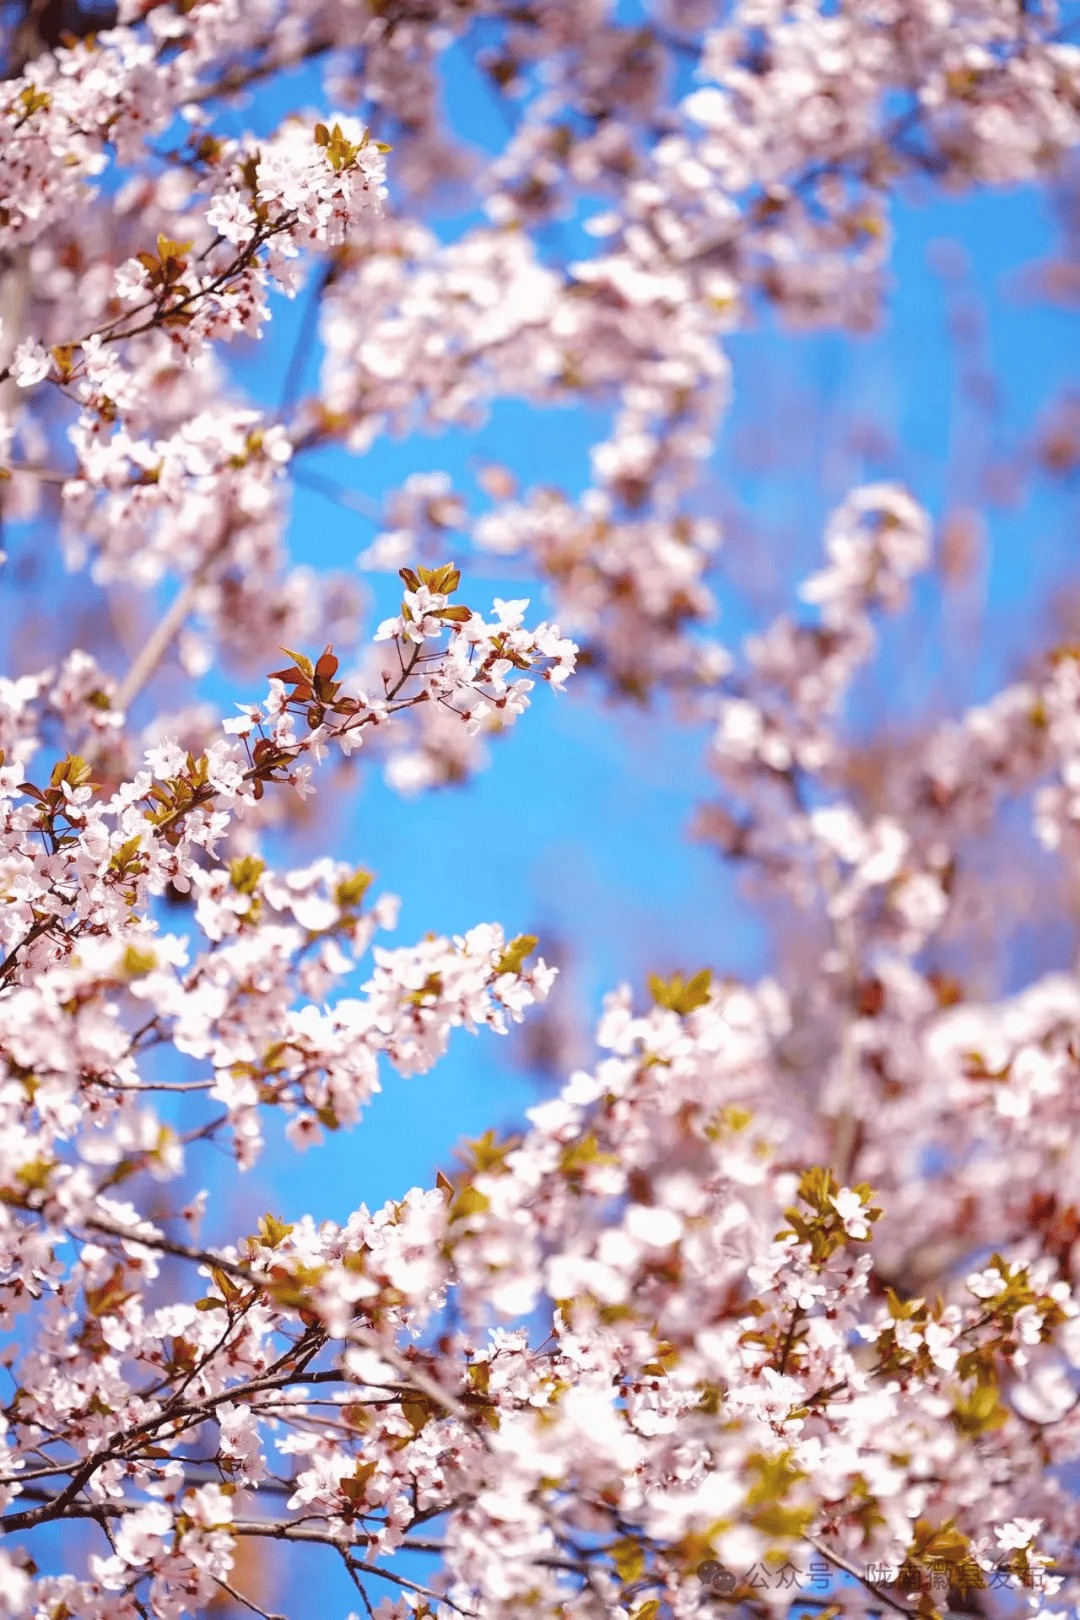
[[231, 1291], [172, 250], [902, 1309], [487, 1152], [416, 1414], [34, 100], [137, 964], [515, 953], [74, 770], [351, 890], [301, 661], [272, 1232], [981, 1412], [444, 579], [125, 856], [776, 1477], [785, 1523], [106, 1299], [629, 1559], [244, 873], [340, 152], [354, 1489], [469, 1201], [431, 987], [817, 1188], [679, 996]]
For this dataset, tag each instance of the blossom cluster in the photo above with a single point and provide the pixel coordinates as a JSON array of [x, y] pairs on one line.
[[786, 1276]]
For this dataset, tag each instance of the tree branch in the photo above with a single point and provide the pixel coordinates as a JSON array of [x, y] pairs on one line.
[[161, 636]]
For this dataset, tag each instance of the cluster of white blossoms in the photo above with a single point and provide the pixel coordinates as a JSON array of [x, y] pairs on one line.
[[791, 1271]]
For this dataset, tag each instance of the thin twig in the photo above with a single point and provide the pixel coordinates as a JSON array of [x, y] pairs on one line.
[[354, 499], [238, 1597], [409, 1586], [238, 79], [851, 1569], [294, 374]]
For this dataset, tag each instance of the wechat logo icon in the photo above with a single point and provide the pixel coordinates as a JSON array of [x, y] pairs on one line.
[[716, 1577]]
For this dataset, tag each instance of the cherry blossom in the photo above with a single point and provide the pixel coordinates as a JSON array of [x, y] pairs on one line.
[[784, 1275]]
